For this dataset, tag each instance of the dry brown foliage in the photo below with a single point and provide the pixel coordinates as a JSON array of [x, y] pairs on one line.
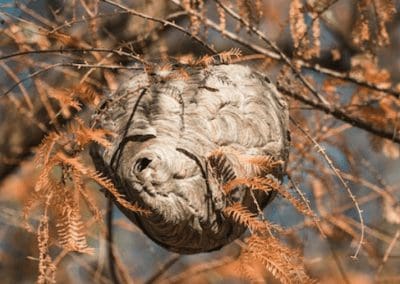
[[335, 61], [285, 264]]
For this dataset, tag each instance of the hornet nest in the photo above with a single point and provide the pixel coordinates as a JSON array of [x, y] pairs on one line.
[[184, 132]]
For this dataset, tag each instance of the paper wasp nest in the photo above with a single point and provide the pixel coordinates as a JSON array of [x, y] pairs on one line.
[[181, 134]]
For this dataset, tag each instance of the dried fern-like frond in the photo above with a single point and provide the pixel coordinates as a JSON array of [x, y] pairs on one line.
[[227, 56], [69, 223], [247, 270], [58, 186], [70, 231], [87, 93], [79, 186], [101, 180], [44, 150], [285, 264], [109, 186], [26, 211], [204, 61], [220, 168], [298, 204], [224, 57], [84, 135], [44, 183], [65, 100], [244, 217], [43, 190], [46, 266], [90, 202], [266, 184], [263, 164]]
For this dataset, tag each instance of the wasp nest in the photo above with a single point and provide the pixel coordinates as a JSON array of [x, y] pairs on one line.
[[181, 134]]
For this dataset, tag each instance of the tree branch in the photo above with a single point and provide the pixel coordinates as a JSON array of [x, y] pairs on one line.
[[338, 113]]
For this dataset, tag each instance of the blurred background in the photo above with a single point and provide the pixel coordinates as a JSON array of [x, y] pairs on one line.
[[59, 59]]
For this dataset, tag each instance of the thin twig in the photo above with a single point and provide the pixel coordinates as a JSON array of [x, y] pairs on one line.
[[381, 191], [341, 179], [163, 269], [306, 202], [362, 200], [372, 232], [388, 251], [31, 76], [75, 65], [110, 250], [114, 163], [338, 263], [341, 114], [79, 50], [15, 78], [345, 76], [209, 48]]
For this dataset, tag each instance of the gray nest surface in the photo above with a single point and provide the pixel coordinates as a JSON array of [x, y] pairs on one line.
[[168, 122]]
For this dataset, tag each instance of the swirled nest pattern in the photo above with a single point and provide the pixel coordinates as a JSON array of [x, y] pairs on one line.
[[168, 122]]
